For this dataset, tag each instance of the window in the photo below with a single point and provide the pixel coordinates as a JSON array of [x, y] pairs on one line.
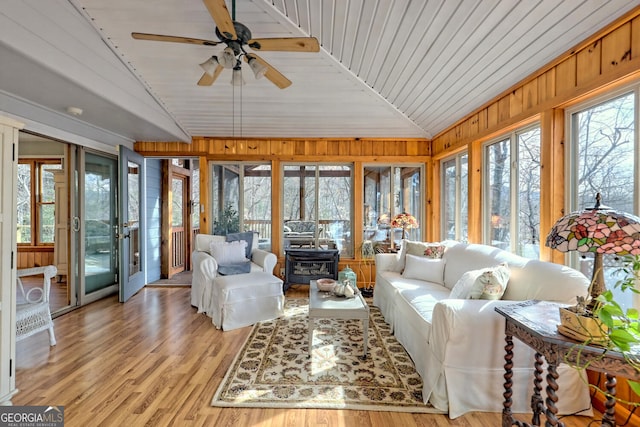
[[512, 193], [36, 201], [317, 201], [388, 191], [604, 149], [253, 181], [455, 206]]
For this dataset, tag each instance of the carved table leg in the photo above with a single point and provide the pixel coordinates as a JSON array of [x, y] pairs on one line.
[[507, 415], [552, 397], [609, 417], [537, 404]]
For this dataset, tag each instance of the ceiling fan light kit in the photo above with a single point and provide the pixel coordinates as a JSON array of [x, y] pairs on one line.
[[236, 77], [258, 69], [209, 66], [236, 36]]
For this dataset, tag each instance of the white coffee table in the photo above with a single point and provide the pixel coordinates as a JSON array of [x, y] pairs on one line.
[[329, 306]]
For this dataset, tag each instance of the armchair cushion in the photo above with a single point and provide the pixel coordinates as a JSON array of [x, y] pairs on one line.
[[229, 252], [247, 236], [234, 268]]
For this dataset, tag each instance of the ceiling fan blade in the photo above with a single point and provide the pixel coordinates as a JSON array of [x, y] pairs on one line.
[[220, 14], [208, 79], [289, 44], [175, 39], [275, 76]]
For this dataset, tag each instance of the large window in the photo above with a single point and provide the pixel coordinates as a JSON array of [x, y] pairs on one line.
[[253, 182], [455, 199], [512, 193], [316, 209], [36, 201], [388, 191], [604, 152]]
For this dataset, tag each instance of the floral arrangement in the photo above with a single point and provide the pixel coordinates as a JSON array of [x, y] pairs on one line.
[[404, 221]]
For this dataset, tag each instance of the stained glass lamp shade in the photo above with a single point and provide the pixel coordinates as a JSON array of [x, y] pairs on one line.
[[600, 230]]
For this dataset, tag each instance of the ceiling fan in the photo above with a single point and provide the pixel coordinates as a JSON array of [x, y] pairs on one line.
[[237, 37]]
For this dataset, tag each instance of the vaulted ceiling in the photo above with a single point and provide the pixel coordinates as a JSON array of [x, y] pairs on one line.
[[386, 68]]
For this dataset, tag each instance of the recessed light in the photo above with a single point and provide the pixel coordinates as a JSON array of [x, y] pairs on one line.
[[74, 111]]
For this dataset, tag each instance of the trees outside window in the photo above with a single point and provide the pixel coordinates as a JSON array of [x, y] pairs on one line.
[[252, 211], [317, 206], [512, 193], [455, 200], [604, 151], [390, 190]]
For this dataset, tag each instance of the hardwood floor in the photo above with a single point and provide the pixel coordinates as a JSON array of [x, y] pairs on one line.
[[154, 361]]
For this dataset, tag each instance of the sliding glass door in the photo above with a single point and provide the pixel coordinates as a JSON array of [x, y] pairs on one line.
[[98, 263]]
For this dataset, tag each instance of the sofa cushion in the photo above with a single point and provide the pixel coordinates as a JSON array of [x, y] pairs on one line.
[[229, 252], [247, 236], [427, 249], [485, 283], [423, 268], [491, 284]]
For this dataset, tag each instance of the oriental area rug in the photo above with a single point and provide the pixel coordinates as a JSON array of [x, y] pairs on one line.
[[273, 369]]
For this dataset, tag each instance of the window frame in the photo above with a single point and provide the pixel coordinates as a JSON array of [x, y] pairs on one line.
[[350, 250], [458, 221], [36, 165], [420, 214], [514, 178]]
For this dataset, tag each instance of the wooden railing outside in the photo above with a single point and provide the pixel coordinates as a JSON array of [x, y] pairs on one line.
[[178, 255]]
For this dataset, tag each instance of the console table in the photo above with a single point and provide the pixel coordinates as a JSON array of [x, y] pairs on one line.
[[535, 324], [304, 265]]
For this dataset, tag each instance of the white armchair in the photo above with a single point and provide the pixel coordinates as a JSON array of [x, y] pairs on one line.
[[205, 268], [33, 313]]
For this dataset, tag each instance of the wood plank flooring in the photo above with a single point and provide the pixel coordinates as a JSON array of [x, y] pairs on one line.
[[154, 361]]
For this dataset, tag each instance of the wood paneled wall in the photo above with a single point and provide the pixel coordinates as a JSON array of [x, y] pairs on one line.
[[33, 256], [355, 150], [288, 149]]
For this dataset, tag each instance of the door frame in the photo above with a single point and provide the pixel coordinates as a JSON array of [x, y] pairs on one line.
[[130, 284], [169, 172]]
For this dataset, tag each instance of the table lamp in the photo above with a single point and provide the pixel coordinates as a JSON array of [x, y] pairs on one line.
[[600, 230]]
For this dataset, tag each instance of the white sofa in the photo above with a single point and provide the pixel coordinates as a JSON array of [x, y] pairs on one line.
[[204, 294], [458, 345]]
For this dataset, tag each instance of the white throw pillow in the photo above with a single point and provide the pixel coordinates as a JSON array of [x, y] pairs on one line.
[[486, 283], [463, 286], [423, 268], [411, 247], [491, 283], [229, 252]]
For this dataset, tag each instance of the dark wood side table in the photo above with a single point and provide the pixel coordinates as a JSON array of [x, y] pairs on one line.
[[535, 324]]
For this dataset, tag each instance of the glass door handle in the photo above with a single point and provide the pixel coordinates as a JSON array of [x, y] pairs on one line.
[[75, 224]]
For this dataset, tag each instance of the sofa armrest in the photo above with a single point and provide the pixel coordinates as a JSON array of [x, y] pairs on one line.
[[386, 262], [460, 327], [206, 265], [264, 259]]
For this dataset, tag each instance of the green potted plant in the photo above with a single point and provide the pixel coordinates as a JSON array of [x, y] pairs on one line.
[[228, 221], [619, 329], [623, 326]]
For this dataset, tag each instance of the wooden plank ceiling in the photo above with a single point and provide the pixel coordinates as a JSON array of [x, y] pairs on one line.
[[387, 68]]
